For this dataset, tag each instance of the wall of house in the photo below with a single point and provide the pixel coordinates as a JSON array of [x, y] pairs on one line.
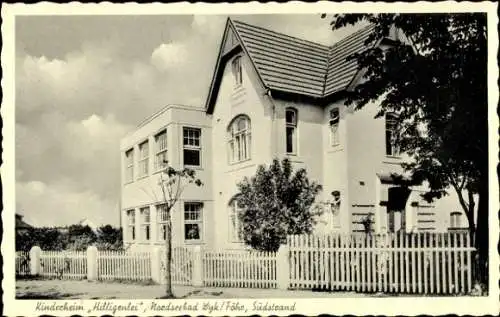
[[335, 171], [366, 158], [145, 191], [250, 99]]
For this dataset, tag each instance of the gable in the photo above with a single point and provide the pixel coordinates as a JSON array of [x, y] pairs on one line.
[[286, 65], [230, 41]]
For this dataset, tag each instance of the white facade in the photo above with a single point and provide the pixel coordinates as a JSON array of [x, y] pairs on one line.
[[342, 149]]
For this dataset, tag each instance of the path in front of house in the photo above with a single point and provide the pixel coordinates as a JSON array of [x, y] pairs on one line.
[[68, 289]]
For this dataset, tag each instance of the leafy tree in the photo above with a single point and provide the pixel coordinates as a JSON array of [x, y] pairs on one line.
[[45, 238], [80, 237], [276, 202], [438, 87], [109, 238], [172, 183]]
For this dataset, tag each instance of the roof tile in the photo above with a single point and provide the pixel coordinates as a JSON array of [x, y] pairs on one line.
[[294, 65]]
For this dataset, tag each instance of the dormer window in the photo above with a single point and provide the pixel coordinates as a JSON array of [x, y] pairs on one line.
[[237, 71]]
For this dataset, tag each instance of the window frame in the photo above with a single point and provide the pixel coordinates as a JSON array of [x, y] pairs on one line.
[[143, 161], [335, 205], [131, 234], [237, 70], [235, 232], [145, 225], [129, 166], [295, 127], [192, 147], [455, 220], [239, 140], [161, 222], [391, 127], [334, 135], [199, 221], [159, 152]]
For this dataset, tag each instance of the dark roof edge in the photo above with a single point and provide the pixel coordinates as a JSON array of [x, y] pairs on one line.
[[216, 69], [322, 46]]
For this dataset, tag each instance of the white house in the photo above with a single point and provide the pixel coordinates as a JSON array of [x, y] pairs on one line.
[[274, 96]]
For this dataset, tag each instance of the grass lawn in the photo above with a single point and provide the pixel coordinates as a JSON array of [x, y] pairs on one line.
[[72, 289]]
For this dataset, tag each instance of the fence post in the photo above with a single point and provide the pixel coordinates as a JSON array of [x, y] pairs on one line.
[[197, 277], [35, 265], [92, 263], [156, 265], [283, 267]]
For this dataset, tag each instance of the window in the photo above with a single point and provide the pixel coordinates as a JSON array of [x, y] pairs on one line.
[[192, 146], [235, 230], [143, 159], [239, 139], [335, 205], [193, 221], [162, 218], [145, 224], [161, 150], [129, 166], [455, 220], [291, 131], [391, 123], [237, 71], [334, 126], [131, 224]]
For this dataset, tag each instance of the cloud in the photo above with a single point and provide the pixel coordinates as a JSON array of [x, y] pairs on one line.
[[74, 105], [71, 113], [169, 55], [58, 205]]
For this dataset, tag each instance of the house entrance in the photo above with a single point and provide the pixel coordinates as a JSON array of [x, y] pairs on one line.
[[396, 204]]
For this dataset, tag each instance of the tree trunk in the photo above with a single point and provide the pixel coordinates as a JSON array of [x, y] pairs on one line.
[[482, 233], [168, 261]]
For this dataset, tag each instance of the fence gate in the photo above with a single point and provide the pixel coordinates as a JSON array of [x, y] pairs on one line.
[[181, 266], [428, 263]]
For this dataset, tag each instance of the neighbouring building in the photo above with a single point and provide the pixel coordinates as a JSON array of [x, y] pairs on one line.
[[85, 222], [274, 96], [21, 225]]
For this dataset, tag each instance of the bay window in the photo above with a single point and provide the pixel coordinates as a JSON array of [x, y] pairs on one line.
[[161, 150], [143, 159], [193, 221], [192, 146]]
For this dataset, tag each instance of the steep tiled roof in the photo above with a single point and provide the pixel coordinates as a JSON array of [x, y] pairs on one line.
[[295, 65], [292, 65], [285, 63], [340, 71]]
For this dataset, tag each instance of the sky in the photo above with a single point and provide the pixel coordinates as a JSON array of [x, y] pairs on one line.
[[83, 82]]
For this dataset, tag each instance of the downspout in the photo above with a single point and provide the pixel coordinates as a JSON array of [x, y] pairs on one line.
[[273, 124]]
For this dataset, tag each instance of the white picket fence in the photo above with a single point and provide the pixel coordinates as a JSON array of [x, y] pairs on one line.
[[232, 268], [64, 264], [419, 263], [123, 265], [429, 263]]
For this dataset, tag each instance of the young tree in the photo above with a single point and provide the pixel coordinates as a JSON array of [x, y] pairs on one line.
[[438, 87], [276, 203], [172, 183]]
